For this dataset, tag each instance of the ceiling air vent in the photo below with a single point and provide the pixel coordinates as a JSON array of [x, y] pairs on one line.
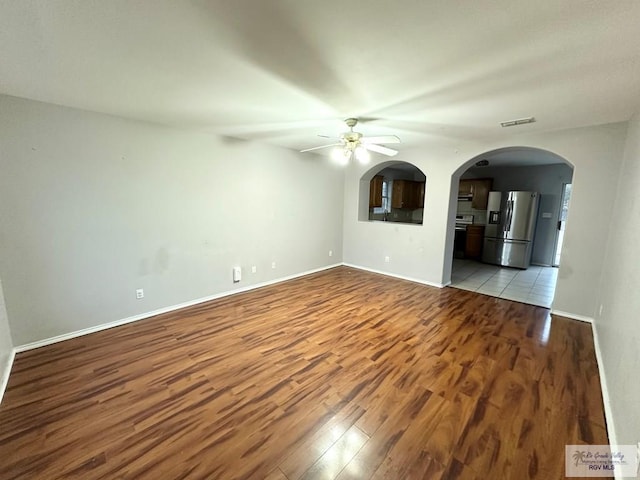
[[519, 121]]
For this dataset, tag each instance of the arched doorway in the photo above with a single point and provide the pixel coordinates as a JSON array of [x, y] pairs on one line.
[[488, 265]]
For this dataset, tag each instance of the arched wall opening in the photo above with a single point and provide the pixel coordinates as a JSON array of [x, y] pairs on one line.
[[515, 168], [392, 191]]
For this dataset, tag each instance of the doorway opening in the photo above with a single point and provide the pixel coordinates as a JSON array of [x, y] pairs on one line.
[[484, 229], [562, 220]]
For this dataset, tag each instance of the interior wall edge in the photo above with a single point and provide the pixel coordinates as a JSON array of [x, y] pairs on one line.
[[105, 326], [608, 412], [5, 372]]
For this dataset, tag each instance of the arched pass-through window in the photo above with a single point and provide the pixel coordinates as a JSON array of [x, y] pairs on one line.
[[393, 192]]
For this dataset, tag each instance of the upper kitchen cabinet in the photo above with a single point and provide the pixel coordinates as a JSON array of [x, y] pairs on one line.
[[481, 189], [465, 189], [421, 190], [407, 194], [477, 190], [375, 191], [396, 194]]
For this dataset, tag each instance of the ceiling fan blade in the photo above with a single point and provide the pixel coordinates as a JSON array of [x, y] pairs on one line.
[[318, 148], [381, 139], [390, 152]]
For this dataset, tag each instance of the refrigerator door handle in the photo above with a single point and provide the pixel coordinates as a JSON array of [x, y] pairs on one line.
[[507, 223]]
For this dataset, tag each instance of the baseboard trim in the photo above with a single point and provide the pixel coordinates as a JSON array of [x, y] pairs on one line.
[[394, 275], [6, 371], [160, 311], [573, 316], [541, 264], [608, 413]]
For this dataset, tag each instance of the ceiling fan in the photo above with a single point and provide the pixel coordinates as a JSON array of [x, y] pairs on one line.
[[354, 144]]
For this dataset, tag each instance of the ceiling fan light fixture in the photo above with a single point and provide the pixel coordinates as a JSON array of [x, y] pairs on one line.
[[340, 155], [362, 155], [354, 145]]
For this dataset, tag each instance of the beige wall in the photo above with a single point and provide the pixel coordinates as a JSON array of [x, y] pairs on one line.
[[94, 207], [618, 326]]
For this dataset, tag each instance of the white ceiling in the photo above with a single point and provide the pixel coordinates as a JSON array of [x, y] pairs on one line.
[[283, 71]]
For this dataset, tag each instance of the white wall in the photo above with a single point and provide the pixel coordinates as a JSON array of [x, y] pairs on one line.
[[618, 328], [6, 345], [93, 207], [424, 252]]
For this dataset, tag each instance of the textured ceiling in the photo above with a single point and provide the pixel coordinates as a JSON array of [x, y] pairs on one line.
[[282, 71]]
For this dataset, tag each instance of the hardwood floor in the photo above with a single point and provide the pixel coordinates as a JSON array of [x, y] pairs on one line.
[[343, 374]]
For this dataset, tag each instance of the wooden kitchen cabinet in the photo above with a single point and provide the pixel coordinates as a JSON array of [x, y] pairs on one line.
[[420, 194], [473, 244], [407, 194], [465, 189], [481, 189], [375, 191], [398, 194], [478, 189]]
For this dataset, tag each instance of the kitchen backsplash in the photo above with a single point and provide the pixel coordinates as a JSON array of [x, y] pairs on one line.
[[399, 215], [479, 216]]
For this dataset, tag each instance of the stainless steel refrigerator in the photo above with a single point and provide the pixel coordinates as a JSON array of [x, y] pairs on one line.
[[511, 223]]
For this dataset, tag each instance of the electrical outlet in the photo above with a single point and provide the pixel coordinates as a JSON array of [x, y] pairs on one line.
[[386, 259], [331, 253], [600, 310], [254, 269], [273, 264], [139, 293]]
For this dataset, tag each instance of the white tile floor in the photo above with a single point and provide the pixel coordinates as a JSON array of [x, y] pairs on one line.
[[535, 285]]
